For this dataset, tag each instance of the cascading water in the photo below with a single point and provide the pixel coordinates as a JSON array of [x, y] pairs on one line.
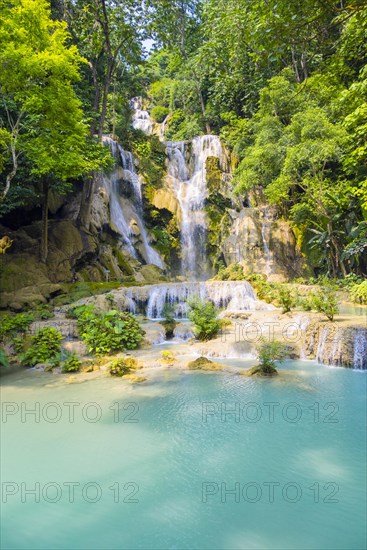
[[128, 210], [342, 347], [187, 168], [321, 344], [360, 350], [141, 119], [232, 296], [265, 234]]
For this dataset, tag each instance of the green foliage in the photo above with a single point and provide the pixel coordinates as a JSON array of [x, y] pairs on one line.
[[42, 118], [233, 272], [45, 347], [111, 300], [43, 312], [18, 344], [268, 353], [264, 290], [358, 293], [286, 298], [159, 113], [203, 315], [182, 127], [305, 303], [123, 365], [71, 363], [76, 311], [14, 324], [4, 362], [109, 332], [325, 301], [72, 292], [169, 312]]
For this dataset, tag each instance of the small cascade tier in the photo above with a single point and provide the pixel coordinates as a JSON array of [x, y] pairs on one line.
[[141, 119], [344, 346], [151, 300]]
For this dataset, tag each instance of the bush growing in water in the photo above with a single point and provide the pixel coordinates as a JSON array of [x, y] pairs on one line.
[[123, 365], [268, 353], [45, 347], [169, 322], [108, 332], [358, 293], [204, 317], [72, 363]]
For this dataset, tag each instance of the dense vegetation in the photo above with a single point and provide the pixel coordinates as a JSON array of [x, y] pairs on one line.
[[283, 82]]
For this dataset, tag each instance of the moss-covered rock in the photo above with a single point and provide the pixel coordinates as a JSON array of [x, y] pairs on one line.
[[21, 270], [203, 363], [151, 273], [123, 262]]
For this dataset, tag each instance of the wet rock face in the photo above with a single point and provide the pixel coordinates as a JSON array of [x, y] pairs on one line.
[[264, 244], [344, 346]]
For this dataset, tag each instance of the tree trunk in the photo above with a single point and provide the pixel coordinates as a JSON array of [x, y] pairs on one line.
[[44, 230], [104, 106], [199, 92], [97, 99], [295, 65], [83, 220], [202, 103]]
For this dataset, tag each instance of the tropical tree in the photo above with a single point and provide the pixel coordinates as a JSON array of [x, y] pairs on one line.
[[41, 118]]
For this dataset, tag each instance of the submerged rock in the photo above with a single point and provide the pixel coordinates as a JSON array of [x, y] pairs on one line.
[[258, 370], [203, 363], [134, 378]]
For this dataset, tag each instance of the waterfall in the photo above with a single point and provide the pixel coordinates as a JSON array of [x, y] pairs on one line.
[[141, 119], [321, 345], [346, 347], [265, 234], [360, 350], [336, 358], [187, 168], [163, 129], [123, 186], [232, 296], [111, 184]]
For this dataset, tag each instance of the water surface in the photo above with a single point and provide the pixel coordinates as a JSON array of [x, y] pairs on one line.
[[202, 477]]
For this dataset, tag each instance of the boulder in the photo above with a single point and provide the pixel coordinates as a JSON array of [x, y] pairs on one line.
[[151, 273], [203, 363], [165, 198]]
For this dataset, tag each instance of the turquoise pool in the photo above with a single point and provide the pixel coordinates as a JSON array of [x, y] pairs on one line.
[[167, 465]]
